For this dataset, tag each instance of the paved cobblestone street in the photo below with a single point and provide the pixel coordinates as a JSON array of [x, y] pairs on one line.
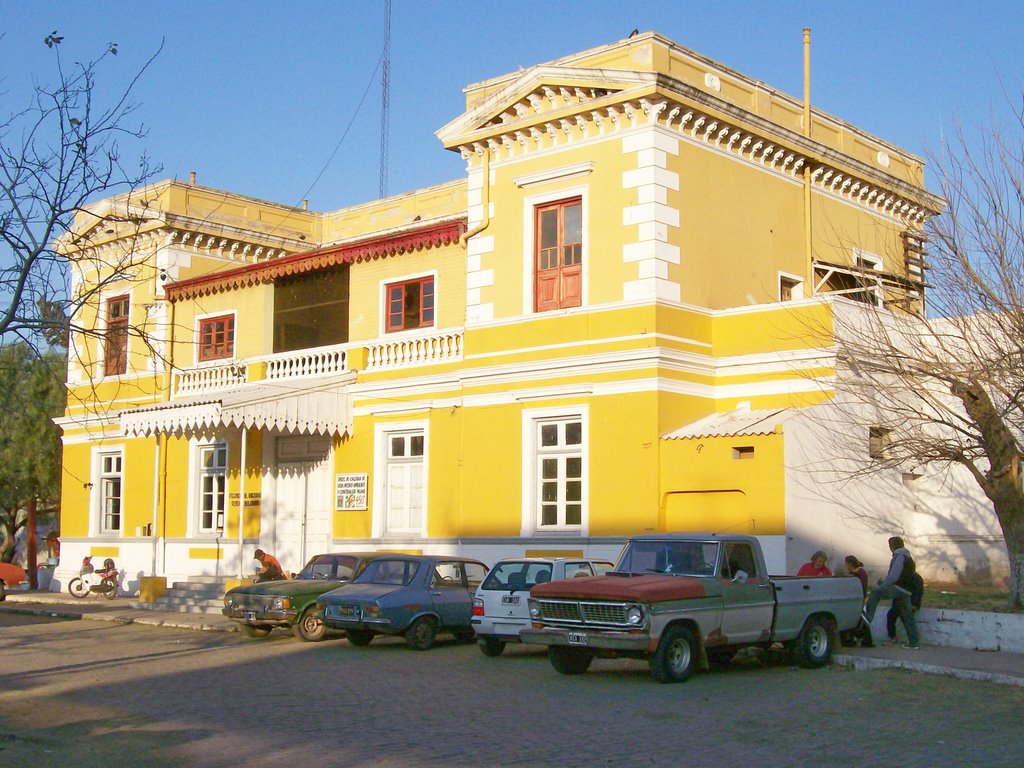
[[87, 693]]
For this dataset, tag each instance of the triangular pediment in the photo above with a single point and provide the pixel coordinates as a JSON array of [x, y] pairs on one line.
[[543, 93]]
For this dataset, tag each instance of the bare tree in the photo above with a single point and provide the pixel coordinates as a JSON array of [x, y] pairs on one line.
[[948, 389], [57, 154]]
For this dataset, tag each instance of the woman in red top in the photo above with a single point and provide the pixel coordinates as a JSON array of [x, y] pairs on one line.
[[816, 567]]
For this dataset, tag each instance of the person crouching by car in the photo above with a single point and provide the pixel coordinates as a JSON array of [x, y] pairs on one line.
[[270, 569]]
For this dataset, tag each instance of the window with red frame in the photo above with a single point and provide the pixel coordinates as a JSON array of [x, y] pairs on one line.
[[410, 305], [216, 337], [115, 351], [558, 258]]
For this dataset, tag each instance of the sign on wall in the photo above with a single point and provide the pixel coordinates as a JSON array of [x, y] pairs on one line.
[[350, 492]]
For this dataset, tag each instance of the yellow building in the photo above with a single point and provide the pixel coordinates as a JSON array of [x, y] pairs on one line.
[[518, 361]]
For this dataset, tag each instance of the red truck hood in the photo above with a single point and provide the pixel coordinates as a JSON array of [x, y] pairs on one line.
[[642, 589]]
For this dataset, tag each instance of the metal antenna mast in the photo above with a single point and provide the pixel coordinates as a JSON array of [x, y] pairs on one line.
[[385, 100]]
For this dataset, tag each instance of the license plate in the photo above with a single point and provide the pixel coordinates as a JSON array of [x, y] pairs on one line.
[[345, 611], [577, 638], [510, 599]]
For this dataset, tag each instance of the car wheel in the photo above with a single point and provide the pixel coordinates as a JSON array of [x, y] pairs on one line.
[[421, 633], [676, 657], [310, 626], [77, 588], [490, 646], [109, 589], [569, 661], [814, 644], [360, 637], [252, 631]]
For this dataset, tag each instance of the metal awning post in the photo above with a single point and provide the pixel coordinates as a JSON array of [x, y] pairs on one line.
[[241, 499]]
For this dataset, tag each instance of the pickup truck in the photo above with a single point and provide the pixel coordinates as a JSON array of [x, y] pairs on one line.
[[680, 600]]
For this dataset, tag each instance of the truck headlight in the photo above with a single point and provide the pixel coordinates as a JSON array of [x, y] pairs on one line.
[[534, 610], [635, 615]]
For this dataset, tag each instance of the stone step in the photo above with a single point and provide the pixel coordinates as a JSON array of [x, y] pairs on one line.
[[175, 608], [207, 589]]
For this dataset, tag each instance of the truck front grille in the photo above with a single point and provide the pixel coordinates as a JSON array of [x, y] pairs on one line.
[[582, 613]]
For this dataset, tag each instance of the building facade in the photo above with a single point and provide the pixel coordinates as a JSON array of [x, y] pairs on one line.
[[607, 327]]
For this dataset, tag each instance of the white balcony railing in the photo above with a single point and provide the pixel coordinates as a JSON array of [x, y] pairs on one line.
[[418, 350], [389, 354], [305, 363], [197, 381]]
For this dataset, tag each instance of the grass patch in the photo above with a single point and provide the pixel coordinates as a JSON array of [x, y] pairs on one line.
[[968, 597]]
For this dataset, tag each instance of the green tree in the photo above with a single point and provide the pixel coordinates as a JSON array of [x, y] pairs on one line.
[[31, 394]]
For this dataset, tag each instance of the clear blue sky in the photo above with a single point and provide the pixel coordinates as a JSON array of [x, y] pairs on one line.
[[256, 96]]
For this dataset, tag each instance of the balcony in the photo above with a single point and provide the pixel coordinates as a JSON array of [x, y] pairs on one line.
[[307, 364]]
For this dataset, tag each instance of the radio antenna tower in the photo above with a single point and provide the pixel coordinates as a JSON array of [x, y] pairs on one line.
[[385, 100]]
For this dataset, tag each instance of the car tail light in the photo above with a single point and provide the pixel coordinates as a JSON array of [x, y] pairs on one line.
[[478, 606]]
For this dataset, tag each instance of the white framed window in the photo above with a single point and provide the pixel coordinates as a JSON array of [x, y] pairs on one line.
[[555, 273], [555, 471], [213, 479], [215, 337], [400, 492], [107, 489]]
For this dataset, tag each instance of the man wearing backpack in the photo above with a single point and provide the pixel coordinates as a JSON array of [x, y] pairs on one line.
[[916, 599], [897, 585]]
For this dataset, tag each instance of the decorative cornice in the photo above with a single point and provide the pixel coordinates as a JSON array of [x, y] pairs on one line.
[[539, 121], [379, 246]]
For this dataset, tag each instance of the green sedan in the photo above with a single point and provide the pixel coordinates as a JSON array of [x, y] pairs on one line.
[[260, 607]]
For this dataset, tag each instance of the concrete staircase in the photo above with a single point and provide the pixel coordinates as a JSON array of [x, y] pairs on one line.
[[199, 594]]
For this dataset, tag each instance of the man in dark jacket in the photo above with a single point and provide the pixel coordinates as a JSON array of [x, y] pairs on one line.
[[897, 585]]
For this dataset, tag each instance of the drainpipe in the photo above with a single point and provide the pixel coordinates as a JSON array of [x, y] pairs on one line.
[[485, 200], [809, 265], [241, 498], [159, 532]]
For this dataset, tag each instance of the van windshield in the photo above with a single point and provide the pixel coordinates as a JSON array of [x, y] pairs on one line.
[[686, 558]]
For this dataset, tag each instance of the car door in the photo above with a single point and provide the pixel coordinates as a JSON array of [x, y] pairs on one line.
[[450, 593], [747, 596]]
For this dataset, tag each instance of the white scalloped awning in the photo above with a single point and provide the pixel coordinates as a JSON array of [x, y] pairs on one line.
[[324, 409]]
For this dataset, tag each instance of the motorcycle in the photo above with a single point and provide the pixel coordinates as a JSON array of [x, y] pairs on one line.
[[103, 582]]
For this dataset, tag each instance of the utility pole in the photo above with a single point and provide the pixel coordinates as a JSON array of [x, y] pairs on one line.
[[385, 100]]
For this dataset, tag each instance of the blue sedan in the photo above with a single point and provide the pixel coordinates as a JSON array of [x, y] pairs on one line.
[[415, 596]]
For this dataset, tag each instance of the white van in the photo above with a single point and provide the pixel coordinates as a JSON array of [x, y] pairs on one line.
[[499, 607]]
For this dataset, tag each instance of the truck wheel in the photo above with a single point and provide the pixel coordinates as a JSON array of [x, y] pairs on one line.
[[359, 637], [814, 644], [569, 661], [676, 657], [252, 631], [489, 646], [421, 633], [310, 626]]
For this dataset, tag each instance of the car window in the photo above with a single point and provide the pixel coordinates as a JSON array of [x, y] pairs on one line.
[[573, 570], [448, 574], [517, 575], [602, 567], [688, 558], [388, 571], [739, 557], [475, 573]]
